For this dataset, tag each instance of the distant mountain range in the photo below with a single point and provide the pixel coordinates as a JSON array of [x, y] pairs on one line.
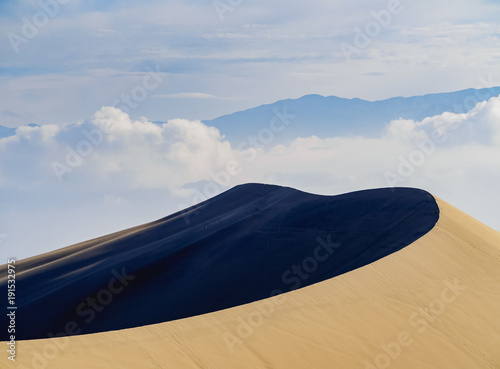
[[333, 116]]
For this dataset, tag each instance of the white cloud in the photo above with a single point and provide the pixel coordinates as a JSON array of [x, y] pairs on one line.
[[130, 172]]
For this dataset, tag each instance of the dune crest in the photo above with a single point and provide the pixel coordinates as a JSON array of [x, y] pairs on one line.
[[247, 244], [432, 304]]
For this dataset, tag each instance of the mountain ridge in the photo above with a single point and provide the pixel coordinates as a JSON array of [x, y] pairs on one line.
[[331, 116]]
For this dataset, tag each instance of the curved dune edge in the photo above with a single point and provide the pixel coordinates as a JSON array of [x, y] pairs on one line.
[[367, 318], [244, 245]]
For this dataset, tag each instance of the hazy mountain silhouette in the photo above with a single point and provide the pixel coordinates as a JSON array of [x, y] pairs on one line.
[[335, 116]]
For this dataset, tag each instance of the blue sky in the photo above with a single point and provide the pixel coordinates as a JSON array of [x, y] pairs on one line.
[[89, 53]]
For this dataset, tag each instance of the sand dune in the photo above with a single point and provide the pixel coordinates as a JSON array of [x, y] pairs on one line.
[[247, 244], [432, 304]]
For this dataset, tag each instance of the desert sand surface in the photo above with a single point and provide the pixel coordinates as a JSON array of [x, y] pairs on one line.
[[431, 304]]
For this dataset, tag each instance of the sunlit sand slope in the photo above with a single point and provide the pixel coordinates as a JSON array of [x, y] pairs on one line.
[[433, 304]]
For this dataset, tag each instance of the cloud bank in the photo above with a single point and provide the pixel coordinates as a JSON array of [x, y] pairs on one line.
[[63, 184]]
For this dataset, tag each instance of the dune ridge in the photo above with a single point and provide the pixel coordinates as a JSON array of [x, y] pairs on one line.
[[247, 244]]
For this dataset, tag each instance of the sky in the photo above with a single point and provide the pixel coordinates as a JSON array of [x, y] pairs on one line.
[[61, 61], [96, 76]]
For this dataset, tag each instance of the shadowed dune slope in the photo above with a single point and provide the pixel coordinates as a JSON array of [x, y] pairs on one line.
[[247, 244], [432, 305]]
